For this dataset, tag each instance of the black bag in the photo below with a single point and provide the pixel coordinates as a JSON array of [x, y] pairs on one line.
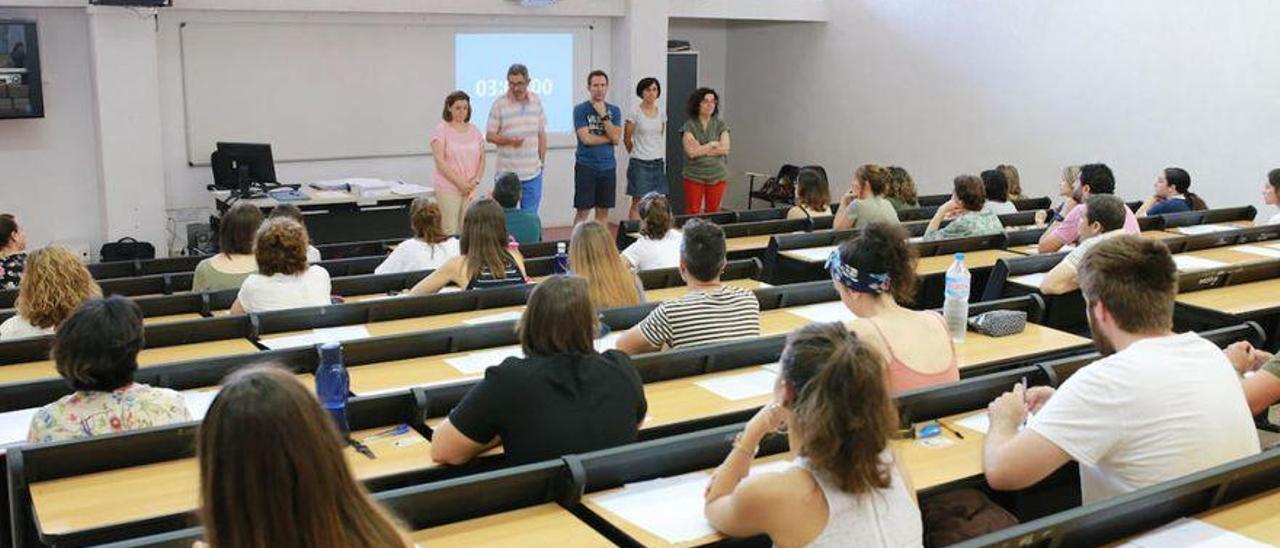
[[127, 249], [781, 188]]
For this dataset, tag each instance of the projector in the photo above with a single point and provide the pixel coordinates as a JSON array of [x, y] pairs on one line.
[[537, 3]]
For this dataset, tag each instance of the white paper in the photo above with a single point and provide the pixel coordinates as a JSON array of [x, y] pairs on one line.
[[14, 425], [742, 386], [979, 422], [494, 318], [1258, 250], [833, 311], [608, 342], [775, 367], [1204, 229], [330, 195], [1188, 263], [1030, 280], [812, 254], [1190, 532], [476, 362], [405, 189], [291, 341], [198, 402], [317, 336], [915, 239]]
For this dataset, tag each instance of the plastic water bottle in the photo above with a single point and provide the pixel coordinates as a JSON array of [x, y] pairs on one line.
[[332, 385], [955, 304], [562, 258]]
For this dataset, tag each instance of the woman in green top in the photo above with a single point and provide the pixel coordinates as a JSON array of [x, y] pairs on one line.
[[706, 145], [902, 189], [864, 203], [965, 212], [234, 262]]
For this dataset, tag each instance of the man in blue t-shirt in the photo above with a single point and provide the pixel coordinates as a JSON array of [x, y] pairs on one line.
[[595, 170]]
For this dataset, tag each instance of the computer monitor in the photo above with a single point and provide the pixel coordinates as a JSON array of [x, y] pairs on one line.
[[238, 166]]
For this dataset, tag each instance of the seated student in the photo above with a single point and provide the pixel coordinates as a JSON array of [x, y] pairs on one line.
[[594, 256], [54, 285], [847, 486], [13, 244], [1172, 194], [563, 397], [901, 191], [864, 203], [485, 260], [996, 187], [1262, 387], [272, 471], [1103, 220], [1013, 179], [659, 243], [96, 351], [525, 226], [813, 195], [709, 313], [872, 273], [1066, 191], [1271, 194], [234, 261], [965, 210], [1064, 230], [291, 211], [284, 280], [430, 245], [1160, 405]]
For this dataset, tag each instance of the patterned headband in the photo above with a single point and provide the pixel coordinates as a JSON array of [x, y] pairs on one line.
[[851, 278]]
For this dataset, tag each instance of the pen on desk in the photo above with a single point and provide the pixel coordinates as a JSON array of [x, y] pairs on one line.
[[361, 448], [948, 428], [388, 433]]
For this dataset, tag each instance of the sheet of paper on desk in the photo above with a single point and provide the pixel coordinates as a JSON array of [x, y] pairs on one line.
[[1030, 280], [494, 318], [14, 425], [834, 311], [1258, 250], [814, 254], [1204, 229], [405, 189], [340, 333], [291, 341], [741, 386], [608, 342], [330, 195], [476, 362], [1192, 532], [198, 402], [979, 422], [1187, 263]]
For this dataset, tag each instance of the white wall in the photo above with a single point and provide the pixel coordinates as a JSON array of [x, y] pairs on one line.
[[710, 38], [949, 87]]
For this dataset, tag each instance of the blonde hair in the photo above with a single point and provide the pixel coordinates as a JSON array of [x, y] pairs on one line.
[[594, 256], [54, 284]]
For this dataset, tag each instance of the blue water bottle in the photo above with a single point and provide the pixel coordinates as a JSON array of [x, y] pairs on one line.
[[332, 385], [562, 259]]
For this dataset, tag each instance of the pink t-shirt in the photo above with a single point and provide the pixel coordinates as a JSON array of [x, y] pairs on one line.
[[462, 151], [1069, 230]]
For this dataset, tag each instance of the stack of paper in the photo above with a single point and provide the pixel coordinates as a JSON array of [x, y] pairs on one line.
[[14, 425], [476, 362], [1188, 263], [833, 311], [741, 386]]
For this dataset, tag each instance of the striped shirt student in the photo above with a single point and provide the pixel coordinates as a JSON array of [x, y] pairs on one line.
[[703, 317]]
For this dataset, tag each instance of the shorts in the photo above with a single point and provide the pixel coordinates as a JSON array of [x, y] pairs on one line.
[[645, 176], [593, 187]]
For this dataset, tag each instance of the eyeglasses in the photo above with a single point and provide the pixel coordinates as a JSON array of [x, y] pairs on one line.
[[518, 84]]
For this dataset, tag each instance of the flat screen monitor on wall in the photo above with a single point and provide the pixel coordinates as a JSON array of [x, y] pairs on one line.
[[21, 95]]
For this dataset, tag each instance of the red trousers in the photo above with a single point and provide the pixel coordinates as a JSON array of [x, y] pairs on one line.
[[696, 194]]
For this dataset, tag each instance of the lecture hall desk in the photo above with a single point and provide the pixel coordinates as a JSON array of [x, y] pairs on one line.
[[30, 371], [1034, 249]]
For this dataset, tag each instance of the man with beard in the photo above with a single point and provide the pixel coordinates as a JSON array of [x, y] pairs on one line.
[[1159, 405]]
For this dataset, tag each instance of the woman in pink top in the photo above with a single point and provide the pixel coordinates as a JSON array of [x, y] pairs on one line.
[[873, 273], [458, 150]]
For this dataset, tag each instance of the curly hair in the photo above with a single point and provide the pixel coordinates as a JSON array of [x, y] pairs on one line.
[[281, 247], [874, 176], [53, 286]]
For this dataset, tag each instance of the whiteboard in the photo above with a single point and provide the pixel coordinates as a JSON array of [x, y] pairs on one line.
[[322, 91]]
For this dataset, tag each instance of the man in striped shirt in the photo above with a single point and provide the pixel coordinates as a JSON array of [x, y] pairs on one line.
[[709, 313], [518, 126]]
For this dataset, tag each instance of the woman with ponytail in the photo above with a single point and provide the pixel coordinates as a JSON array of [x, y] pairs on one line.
[[865, 203], [847, 487], [1172, 194], [659, 243], [875, 272]]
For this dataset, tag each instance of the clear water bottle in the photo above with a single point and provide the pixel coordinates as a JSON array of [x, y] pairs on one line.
[[562, 258], [955, 304], [332, 385]]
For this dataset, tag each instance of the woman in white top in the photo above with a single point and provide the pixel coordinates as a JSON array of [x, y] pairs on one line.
[[284, 279], [1271, 194], [430, 245], [659, 244], [234, 261], [996, 186], [291, 211], [645, 136], [830, 389], [54, 285]]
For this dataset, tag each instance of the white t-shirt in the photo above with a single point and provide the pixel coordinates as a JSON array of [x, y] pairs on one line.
[[1163, 408], [17, 327], [646, 254], [1077, 255], [414, 254], [648, 137], [281, 291], [999, 208], [313, 254], [1274, 220]]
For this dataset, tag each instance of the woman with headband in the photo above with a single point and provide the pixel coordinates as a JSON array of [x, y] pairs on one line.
[[875, 272]]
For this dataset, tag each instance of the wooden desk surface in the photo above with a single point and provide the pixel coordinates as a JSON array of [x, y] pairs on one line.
[[978, 349], [1228, 255], [44, 369], [67, 505], [984, 258], [542, 525], [1236, 299], [154, 320], [1034, 249], [1255, 517], [748, 243], [680, 400]]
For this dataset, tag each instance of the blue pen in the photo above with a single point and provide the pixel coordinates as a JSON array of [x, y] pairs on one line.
[[396, 430]]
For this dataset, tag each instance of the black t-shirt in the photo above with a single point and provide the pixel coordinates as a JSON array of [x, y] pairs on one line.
[[545, 407]]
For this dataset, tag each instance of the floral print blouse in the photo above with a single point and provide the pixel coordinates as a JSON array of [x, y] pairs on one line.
[[11, 270], [90, 413]]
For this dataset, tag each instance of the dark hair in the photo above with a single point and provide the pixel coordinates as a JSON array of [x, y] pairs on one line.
[[702, 250], [518, 69], [1107, 210], [559, 318], [238, 227], [696, 98], [1098, 178], [995, 185], [288, 211], [1012, 178], [1180, 180], [484, 239], [842, 409], [812, 189], [599, 73], [425, 220], [452, 98], [1135, 278], [645, 83], [1273, 178], [8, 225], [281, 247], [507, 189], [655, 216], [96, 348], [970, 192], [883, 248], [901, 186], [876, 177]]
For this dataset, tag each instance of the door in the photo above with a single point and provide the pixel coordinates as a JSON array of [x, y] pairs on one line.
[[682, 80]]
